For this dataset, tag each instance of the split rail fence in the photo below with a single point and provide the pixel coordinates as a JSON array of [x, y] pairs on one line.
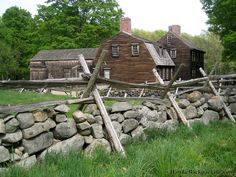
[[91, 94]]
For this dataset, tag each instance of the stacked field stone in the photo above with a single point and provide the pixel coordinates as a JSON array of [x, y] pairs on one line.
[[28, 136]]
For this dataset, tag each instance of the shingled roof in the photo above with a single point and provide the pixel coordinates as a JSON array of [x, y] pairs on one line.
[[154, 52], [186, 42], [159, 61], [65, 54]]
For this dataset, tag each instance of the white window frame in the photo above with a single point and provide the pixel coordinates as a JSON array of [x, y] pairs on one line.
[[115, 50], [107, 73], [135, 49], [173, 53]]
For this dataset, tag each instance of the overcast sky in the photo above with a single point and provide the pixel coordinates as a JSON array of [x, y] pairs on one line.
[[149, 15]]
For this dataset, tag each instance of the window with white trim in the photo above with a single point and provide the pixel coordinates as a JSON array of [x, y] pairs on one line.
[[114, 50], [173, 53], [107, 73], [135, 49]]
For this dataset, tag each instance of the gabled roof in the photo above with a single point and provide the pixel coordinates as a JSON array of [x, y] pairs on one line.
[[186, 42], [65, 54], [130, 35], [153, 48], [157, 58]]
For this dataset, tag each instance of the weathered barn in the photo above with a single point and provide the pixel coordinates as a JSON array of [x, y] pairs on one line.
[[60, 63], [131, 58], [183, 51]]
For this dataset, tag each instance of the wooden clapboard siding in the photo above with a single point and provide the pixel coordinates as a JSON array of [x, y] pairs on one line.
[[59, 63], [184, 50], [128, 68]]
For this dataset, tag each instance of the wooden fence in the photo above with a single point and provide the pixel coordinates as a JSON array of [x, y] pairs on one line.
[[206, 83]]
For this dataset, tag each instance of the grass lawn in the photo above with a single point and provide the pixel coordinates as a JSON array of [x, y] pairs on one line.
[[11, 97], [203, 151]]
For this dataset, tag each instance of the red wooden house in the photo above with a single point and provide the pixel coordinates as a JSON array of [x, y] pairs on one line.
[[183, 51], [132, 58]]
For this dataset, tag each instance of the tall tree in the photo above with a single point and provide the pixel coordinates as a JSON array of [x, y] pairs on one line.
[[211, 44], [221, 14], [16, 27], [8, 66], [151, 35], [77, 23]]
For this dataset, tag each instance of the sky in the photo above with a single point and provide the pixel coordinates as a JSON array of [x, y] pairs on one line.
[[149, 15]]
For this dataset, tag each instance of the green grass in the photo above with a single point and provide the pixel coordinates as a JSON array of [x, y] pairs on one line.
[[10, 97], [73, 108], [206, 150], [109, 103]]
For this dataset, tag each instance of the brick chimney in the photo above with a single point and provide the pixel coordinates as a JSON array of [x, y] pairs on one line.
[[175, 29], [125, 24]]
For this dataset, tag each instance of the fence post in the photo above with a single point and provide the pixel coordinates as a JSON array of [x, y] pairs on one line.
[[227, 111], [106, 119], [172, 100]]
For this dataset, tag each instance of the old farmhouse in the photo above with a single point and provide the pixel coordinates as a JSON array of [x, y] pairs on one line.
[[132, 58], [60, 63], [183, 51]]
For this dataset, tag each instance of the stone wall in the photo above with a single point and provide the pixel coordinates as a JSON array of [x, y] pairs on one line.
[[130, 93], [26, 137]]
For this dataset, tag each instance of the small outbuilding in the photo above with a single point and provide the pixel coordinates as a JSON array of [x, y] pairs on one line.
[[60, 63]]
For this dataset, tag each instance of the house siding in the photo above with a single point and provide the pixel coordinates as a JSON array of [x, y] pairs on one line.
[[125, 67], [59, 63], [184, 55]]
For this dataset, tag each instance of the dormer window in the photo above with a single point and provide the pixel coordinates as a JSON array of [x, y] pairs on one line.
[[135, 49], [114, 50], [169, 38]]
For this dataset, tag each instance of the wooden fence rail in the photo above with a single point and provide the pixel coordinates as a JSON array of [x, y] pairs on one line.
[[54, 83], [34, 106]]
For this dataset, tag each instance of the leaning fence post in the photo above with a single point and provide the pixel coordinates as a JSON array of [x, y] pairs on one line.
[[93, 78], [172, 80], [109, 91], [94, 75], [106, 119], [172, 100], [140, 95], [227, 111]]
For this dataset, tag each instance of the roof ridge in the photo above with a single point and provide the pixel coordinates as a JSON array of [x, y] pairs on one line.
[[67, 49], [188, 42], [66, 54]]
